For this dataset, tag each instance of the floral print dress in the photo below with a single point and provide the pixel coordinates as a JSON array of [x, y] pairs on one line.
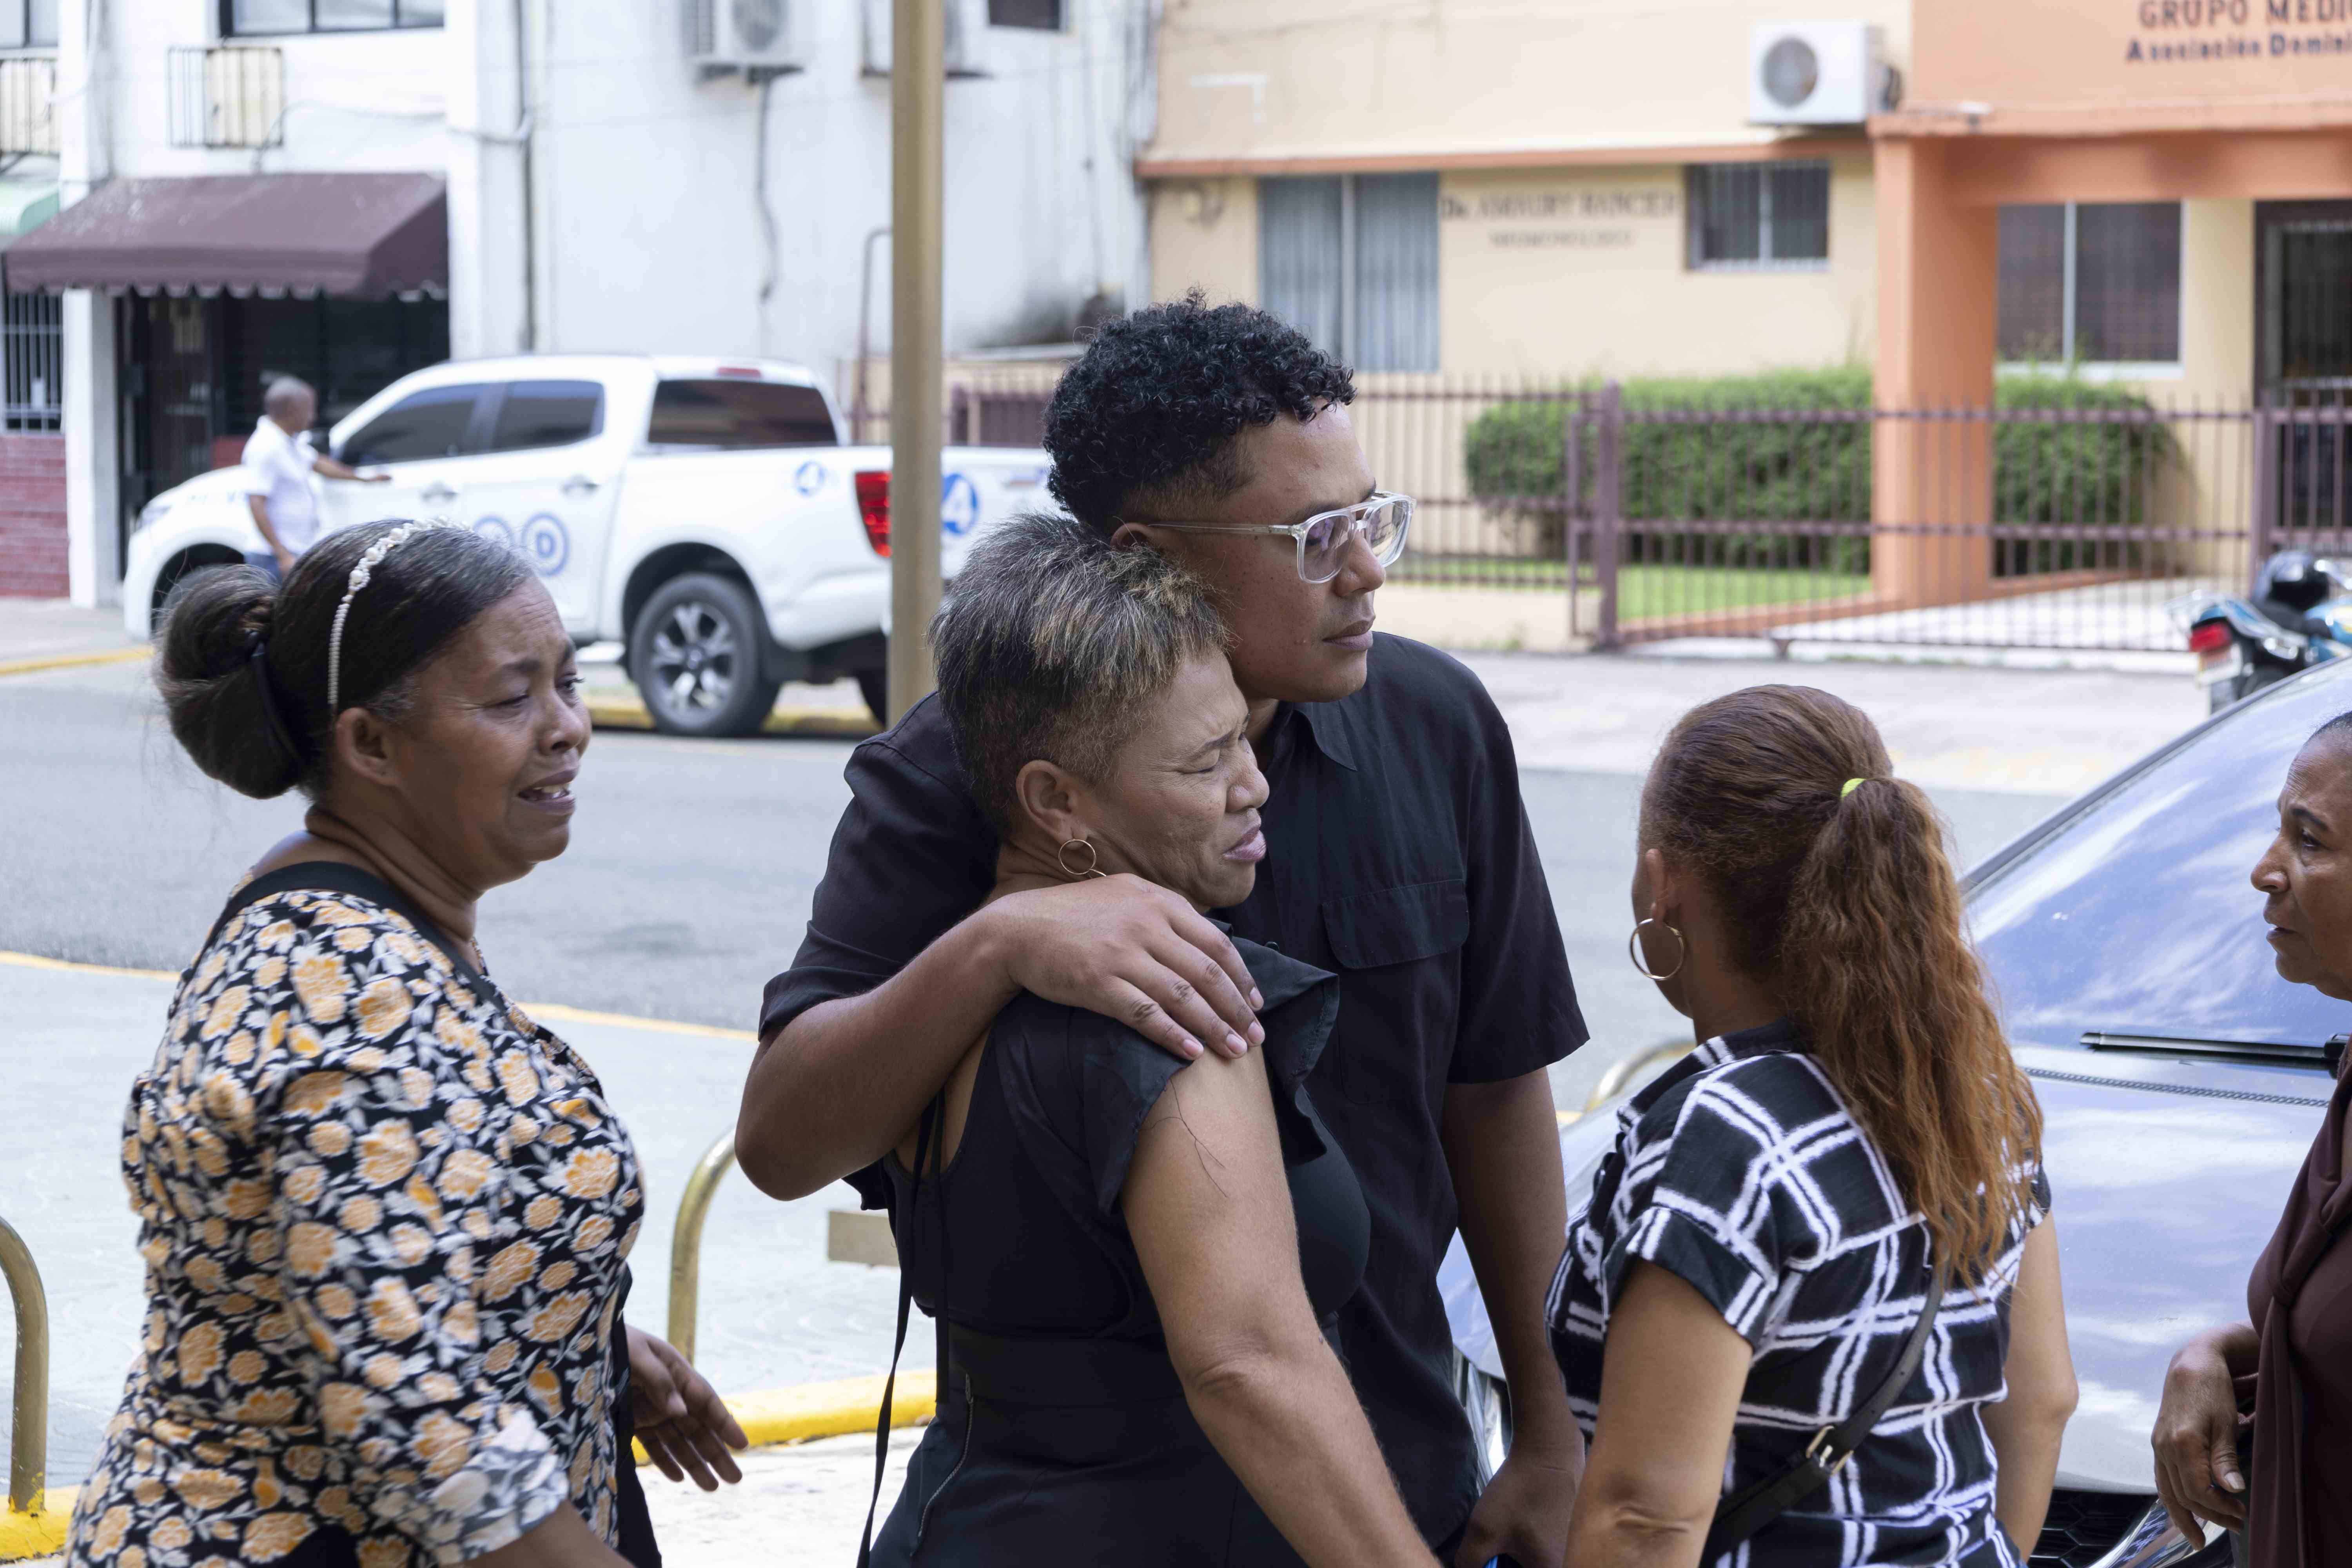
[[383, 1216]]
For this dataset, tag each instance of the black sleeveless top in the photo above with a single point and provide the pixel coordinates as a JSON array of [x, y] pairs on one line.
[[1063, 1433]]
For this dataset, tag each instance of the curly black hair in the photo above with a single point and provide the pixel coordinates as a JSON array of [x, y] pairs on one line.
[[1155, 402]]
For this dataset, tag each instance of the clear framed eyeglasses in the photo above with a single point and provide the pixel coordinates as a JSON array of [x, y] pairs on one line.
[[1381, 520]]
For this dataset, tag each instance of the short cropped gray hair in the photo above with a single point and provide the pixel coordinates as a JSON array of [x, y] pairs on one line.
[[285, 389], [1052, 641]]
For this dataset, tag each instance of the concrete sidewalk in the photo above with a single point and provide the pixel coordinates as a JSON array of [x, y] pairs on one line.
[[774, 1313], [51, 629]]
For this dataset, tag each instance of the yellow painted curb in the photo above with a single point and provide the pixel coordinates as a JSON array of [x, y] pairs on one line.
[[836, 1409], [546, 1012], [35, 960], [628, 713], [71, 660], [43, 1531]]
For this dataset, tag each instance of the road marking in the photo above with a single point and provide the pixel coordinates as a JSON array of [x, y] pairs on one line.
[[628, 713], [71, 660], [35, 960], [543, 1011], [563, 1015]]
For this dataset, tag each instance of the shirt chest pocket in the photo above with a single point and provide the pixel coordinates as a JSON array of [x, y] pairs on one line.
[[1399, 951]]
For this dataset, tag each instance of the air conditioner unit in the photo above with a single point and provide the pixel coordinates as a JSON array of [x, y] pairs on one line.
[[1817, 73], [966, 44], [757, 35]]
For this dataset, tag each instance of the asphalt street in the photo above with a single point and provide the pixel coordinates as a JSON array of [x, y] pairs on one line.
[[692, 863], [688, 885]]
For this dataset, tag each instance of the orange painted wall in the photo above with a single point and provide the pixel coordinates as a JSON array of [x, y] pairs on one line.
[[2034, 66]]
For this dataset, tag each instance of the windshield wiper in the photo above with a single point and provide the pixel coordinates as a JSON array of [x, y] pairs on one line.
[[2327, 1058]]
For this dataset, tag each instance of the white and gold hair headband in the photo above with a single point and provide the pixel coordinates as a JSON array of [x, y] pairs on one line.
[[359, 575]]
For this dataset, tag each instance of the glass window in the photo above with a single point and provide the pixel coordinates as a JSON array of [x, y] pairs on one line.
[[2092, 281], [731, 416], [28, 24], [547, 413], [2138, 918], [2033, 293], [1040, 14], [428, 423], [2127, 280], [350, 15], [1351, 261], [1759, 215], [252, 18]]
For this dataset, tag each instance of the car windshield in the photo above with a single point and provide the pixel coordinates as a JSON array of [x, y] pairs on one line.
[[2138, 917]]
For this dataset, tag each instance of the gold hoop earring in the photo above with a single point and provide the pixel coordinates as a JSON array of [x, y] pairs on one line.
[[1633, 949], [1078, 873]]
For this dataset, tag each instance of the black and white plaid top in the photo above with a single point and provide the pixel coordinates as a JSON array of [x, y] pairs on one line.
[[1742, 1172]]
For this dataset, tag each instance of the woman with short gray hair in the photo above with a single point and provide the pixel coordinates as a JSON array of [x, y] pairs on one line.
[[1136, 1259]]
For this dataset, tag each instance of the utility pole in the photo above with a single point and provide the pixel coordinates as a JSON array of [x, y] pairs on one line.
[[917, 78]]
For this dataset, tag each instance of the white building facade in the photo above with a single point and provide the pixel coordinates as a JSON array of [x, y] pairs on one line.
[[687, 176]]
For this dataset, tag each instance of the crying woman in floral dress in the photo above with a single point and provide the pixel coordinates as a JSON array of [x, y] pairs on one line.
[[385, 1216]]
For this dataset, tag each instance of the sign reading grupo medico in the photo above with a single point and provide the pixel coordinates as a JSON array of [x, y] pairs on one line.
[[2238, 29]]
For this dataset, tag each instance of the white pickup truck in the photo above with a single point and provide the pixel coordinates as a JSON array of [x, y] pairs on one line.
[[705, 511]]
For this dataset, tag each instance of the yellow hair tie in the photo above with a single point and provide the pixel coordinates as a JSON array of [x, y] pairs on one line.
[[1851, 785]]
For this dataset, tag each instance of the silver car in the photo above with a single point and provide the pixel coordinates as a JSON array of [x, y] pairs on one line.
[[2181, 1081]]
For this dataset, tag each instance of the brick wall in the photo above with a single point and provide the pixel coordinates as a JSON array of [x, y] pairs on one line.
[[33, 517]]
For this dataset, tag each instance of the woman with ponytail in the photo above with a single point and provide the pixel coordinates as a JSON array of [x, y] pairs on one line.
[[1826, 1231], [384, 1214]]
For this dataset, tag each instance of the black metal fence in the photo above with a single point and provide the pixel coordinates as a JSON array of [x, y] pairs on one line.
[[2060, 519], [2067, 515]]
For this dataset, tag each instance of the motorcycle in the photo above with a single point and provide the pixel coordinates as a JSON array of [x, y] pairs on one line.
[[2299, 615]]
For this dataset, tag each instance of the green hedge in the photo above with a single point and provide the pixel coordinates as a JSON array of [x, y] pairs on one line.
[[1806, 473]]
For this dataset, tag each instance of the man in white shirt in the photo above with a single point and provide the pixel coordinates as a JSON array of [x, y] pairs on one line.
[[278, 463]]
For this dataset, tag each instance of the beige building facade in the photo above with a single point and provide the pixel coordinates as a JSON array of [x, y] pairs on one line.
[[1570, 147]]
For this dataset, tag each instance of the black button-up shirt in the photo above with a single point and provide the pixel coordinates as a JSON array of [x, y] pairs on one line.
[[1399, 856]]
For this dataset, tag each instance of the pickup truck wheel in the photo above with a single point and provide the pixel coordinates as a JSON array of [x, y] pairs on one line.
[[874, 685], [695, 656]]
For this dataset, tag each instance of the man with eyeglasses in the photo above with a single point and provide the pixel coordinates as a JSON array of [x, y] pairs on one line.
[[1401, 859]]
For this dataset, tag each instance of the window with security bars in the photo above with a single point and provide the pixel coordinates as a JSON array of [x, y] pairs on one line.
[[28, 24], [262, 18], [1351, 261], [1758, 216], [2091, 282], [32, 362]]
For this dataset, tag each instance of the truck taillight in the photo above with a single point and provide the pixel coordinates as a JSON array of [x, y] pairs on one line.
[[2205, 636], [874, 507]]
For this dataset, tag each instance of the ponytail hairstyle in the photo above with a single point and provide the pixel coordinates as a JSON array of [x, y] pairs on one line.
[[242, 662], [1844, 901]]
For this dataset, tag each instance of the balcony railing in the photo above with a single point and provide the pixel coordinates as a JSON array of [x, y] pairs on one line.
[[228, 97], [28, 116]]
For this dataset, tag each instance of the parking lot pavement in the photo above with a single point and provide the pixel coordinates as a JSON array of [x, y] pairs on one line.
[[2026, 731]]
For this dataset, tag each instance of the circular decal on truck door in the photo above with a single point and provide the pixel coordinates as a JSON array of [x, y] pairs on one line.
[[809, 477], [958, 505], [547, 544], [495, 528]]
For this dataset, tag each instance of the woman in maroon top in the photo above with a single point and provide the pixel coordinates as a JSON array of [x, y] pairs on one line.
[[2294, 1354]]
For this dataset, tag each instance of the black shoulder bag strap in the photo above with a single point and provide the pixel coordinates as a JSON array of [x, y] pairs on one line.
[[1754, 1506], [933, 1114]]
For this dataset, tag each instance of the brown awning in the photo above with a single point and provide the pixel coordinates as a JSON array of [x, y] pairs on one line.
[[359, 236]]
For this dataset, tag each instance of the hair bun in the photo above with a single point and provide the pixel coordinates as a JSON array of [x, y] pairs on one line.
[[211, 682]]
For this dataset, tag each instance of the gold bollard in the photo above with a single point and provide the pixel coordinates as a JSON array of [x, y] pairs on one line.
[[686, 1241], [28, 1436]]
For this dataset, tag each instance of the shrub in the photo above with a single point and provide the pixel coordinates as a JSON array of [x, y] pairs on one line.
[[1803, 472]]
